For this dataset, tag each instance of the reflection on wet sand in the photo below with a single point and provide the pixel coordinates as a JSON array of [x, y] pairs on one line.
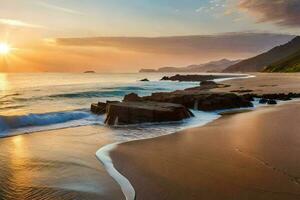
[[57, 164]]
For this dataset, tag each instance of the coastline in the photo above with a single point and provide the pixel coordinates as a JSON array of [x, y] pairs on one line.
[[152, 162], [255, 79], [106, 145]]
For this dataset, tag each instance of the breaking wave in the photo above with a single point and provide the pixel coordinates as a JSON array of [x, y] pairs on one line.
[[9, 123]]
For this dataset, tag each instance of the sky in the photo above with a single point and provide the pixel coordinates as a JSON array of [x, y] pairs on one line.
[[125, 35]]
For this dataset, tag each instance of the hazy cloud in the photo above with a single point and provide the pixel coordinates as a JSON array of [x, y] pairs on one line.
[[236, 43], [281, 12], [18, 23], [59, 8]]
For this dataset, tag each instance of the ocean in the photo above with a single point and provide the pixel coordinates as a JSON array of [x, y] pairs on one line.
[[46, 101]]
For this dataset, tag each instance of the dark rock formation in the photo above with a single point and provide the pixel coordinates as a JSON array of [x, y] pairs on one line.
[[206, 101], [132, 97], [144, 80], [280, 96], [195, 78], [248, 97], [209, 83], [142, 112], [89, 72], [98, 108], [241, 91], [263, 101], [271, 102]]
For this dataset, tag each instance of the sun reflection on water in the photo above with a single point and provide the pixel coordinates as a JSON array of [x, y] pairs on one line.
[[3, 82]]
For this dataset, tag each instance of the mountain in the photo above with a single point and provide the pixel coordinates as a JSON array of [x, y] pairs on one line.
[[260, 62], [288, 64], [213, 66]]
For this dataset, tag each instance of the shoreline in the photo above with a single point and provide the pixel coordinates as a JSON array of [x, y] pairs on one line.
[[107, 151], [118, 162], [103, 154], [117, 175]]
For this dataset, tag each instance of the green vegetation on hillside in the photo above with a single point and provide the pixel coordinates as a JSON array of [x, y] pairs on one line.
[[288, 64], [275, 55]]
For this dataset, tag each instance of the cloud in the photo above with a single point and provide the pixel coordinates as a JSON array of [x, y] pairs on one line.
[[281, 12], [59, 8], [18, 23], [201, 45]]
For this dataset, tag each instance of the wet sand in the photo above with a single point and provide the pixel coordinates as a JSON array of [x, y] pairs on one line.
[[253, 155], [59, 164], [264, 83]]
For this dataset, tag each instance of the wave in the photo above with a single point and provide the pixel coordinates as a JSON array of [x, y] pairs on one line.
[[106, 92], [11, 107], [10, 95], [8, 123], [90, 94]]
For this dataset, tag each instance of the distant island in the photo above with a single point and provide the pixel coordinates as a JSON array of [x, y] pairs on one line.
[[89, 72], [213, 66]]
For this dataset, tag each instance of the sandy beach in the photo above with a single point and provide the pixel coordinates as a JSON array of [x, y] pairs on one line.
[[264, 83], [253, 155], [58, 164]]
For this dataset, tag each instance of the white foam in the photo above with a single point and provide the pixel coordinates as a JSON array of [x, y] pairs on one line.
[[103, 155]]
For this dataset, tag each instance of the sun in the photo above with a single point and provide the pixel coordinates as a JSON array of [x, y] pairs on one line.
[[4, 48]]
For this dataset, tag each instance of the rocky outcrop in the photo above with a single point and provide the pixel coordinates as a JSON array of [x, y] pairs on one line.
[[276, 96], [132, 97], [89, 72], [272, 102], [206, 101], [123, 113], [98, 108], [144, 80], [195, 78]]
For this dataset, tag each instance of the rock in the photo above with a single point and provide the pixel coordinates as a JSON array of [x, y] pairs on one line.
[[89, 72], [196, 78], [206, 101], [132, 97], [165, 78], [98, 108], [124, 113], [147, 71], [248, 97], [208, 83], [222, 101], [280, 96], [271, 102], [144, 80], [241, 91], [263, 101]]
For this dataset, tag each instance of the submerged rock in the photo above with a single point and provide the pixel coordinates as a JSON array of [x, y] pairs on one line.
[[145, 80], [209, 83], [263, 101], [272, 102], [124, 113]]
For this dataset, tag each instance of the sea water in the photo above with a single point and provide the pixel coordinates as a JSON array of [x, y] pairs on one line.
[[45, 101]]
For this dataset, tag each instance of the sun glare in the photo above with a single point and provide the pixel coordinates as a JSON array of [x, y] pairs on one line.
[[4, 48]]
